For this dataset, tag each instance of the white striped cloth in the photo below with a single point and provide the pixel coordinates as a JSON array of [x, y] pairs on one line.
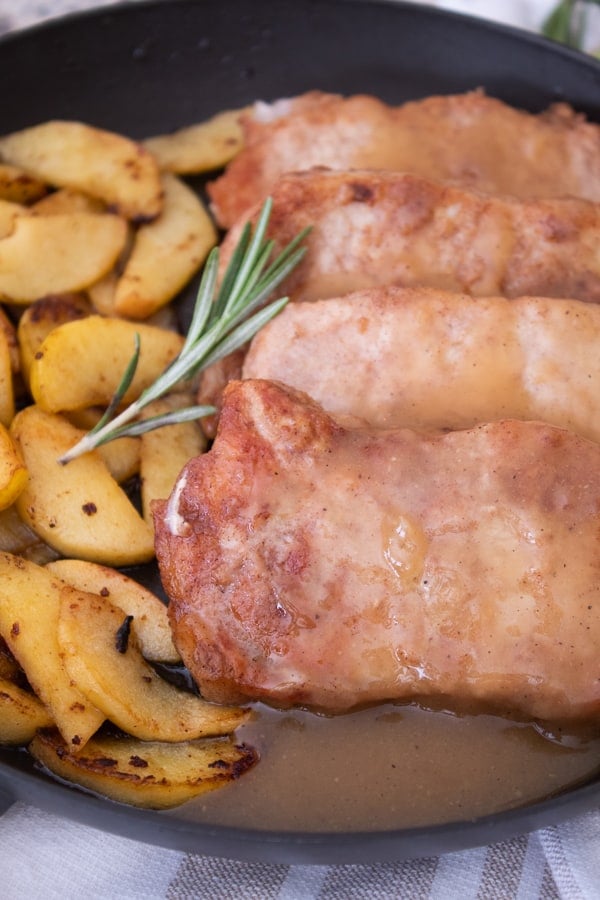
[[48, 857], [43, 856]]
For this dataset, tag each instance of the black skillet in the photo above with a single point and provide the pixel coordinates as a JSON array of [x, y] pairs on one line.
[[146, 68]]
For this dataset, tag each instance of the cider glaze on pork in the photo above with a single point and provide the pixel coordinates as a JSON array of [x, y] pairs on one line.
[[327, 566]]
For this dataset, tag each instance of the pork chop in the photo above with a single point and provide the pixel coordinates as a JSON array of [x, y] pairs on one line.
[[470, 138], [314, 564], [371, 229], [421, 358]]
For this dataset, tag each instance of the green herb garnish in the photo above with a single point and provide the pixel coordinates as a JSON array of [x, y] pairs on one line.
[[222, 321], [567, 22]]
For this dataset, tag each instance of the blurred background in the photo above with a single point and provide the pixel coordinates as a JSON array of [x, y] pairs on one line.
[[575, 22]]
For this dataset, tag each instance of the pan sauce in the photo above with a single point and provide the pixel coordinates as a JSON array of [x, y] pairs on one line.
[[391, 767]]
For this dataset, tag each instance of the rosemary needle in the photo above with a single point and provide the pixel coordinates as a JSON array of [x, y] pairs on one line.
[[222, 321]]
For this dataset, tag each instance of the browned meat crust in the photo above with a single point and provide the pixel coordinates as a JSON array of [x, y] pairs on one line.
[[371, 229], [313, 564], [469, 138], [422, 358]]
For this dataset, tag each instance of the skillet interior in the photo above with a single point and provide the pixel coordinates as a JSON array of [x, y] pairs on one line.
[[148, 68]]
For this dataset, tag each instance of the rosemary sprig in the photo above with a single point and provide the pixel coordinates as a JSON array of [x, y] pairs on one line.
[[566, 22], [221, 322]]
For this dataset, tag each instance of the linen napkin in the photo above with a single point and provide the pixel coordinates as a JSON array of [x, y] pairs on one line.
[[44, 856], [47, 857]]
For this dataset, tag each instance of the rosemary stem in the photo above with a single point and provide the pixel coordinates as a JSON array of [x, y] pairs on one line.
[[223, 320], [94, 439]]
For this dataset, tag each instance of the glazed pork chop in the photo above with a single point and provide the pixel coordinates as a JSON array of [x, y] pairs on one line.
[[470, 138], [422, 358], [372, 229], [310, 563]]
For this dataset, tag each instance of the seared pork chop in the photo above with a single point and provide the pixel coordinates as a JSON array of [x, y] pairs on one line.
[[314, 564], [421, 358], [470, 138], [371, 229]]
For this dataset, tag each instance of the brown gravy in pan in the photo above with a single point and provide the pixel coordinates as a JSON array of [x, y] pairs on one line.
[[392, 767]]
